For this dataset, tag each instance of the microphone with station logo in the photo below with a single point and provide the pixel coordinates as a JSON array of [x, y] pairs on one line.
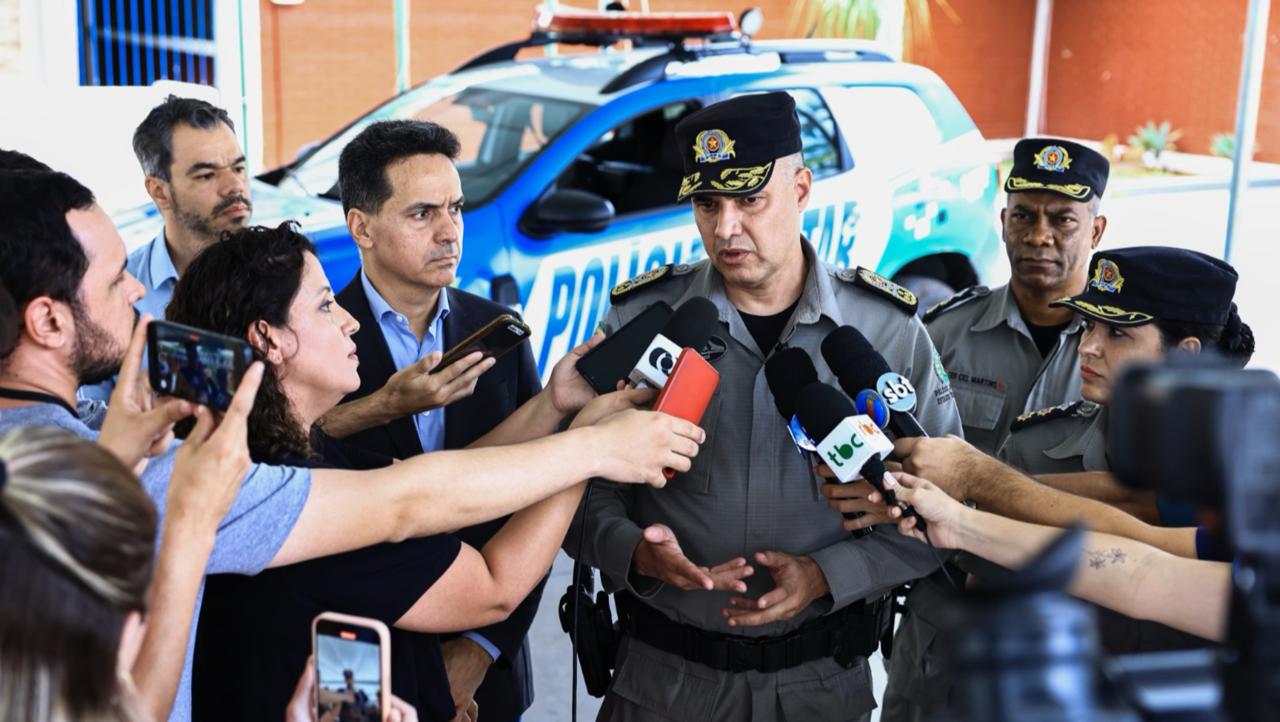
[[690, 326], [859, 366], [851, 444]]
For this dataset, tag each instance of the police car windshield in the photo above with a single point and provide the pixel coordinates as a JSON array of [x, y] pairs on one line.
[[500, 133]]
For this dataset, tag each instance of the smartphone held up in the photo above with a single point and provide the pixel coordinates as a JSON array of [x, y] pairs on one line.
[[195, 365], [353, 668]]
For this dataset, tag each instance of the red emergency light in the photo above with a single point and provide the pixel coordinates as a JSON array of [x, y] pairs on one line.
[[572, 22]]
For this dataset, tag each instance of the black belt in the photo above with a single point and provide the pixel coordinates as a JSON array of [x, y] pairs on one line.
[[847, 635]]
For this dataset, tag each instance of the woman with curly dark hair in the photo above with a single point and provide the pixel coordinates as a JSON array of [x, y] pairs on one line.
[[267, 286]]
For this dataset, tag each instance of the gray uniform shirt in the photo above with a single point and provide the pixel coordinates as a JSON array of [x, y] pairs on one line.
[[996, 370], [749, 490], [1066, 439]]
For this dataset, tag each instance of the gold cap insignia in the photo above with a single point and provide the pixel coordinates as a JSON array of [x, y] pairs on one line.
[[711, 146], [1054, 158]]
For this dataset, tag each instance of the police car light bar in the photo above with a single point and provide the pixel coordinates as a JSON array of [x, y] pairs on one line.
[[574, 23]]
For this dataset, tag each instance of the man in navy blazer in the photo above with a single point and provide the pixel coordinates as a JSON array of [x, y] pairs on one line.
[[403, 199]]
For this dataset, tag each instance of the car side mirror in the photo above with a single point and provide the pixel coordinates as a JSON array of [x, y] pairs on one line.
[[568, 210]]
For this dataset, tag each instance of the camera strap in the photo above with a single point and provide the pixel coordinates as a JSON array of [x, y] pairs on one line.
[[38, 396]]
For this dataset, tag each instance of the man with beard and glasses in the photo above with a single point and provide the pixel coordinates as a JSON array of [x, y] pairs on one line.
[[1008, 351]]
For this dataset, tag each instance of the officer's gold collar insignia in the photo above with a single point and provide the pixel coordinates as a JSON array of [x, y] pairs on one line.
[[1106, 276], [1053, 158], [712, 146], [1079, 191], [631, 286], [903, 297], [1042, 415]]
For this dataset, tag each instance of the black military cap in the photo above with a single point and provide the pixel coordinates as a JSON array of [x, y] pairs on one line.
[[1059, 166], [729, 148], [1133, 286]]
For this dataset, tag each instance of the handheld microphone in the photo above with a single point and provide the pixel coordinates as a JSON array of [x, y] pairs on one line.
[[852, 445], [690, 326], [786, 372], [858, 365]]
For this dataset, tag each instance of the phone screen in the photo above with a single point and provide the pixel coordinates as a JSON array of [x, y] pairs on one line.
[[349, 672], [196, 365]]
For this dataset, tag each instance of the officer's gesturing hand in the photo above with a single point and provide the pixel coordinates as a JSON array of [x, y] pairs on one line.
[[799, 581], [660, 557]]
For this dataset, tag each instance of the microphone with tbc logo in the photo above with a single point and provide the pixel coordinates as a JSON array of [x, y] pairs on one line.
[[689, 327], [787, 371], [858, 366], [851, 444]]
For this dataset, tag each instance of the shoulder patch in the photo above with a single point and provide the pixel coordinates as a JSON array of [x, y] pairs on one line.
[[1061, 411], [630, 286], [882, 286], [956, 301]]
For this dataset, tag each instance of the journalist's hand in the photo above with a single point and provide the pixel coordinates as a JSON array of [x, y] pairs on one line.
[[635, 446], [568, 390], [413, 389], [660, 557], [138, 425], [798, 582], [465, 664], [211, 463], [947, 518], [606, 405], [857, 496], [950, 462]]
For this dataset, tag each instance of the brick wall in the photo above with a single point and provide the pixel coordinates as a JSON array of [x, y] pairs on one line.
[[984, 55], [1113, 66]]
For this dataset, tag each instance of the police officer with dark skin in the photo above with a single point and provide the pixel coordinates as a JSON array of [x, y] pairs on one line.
[[743, 547], [1007, 350]]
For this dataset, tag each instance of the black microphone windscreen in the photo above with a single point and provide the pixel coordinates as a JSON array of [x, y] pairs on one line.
[[852, 358], [820, 408], [788, 371], [692, 323]]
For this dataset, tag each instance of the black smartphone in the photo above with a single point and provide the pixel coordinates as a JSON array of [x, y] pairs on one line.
[[610, 362], [195, 365], [496, 338], [353, 667]]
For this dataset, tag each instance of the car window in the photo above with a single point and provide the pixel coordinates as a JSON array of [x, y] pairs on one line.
[[888, 128], [499, 131], [637, 165], [818, 131]]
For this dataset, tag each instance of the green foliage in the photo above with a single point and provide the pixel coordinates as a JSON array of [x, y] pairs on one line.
[[1223, 145], [1155, 139], [861, 19]]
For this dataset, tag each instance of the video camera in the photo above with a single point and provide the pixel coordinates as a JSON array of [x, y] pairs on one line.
[[1191, 429]]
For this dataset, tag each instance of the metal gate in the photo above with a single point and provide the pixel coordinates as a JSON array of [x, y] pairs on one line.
[[137, 42]]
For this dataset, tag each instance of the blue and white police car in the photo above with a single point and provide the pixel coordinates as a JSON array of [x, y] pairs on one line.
[[570, 169]]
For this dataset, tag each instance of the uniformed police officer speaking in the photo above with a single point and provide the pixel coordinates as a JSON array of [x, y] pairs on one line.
[[743, 546]]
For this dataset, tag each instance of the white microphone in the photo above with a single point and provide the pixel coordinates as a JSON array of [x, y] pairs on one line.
[[690, 326]]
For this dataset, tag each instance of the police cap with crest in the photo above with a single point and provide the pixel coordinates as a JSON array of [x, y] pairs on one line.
[[1133, 286], [1057, 166], [730, 148]]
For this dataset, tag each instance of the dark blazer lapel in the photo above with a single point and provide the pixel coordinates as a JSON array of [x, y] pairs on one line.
[[457, 326], [376, 367]]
